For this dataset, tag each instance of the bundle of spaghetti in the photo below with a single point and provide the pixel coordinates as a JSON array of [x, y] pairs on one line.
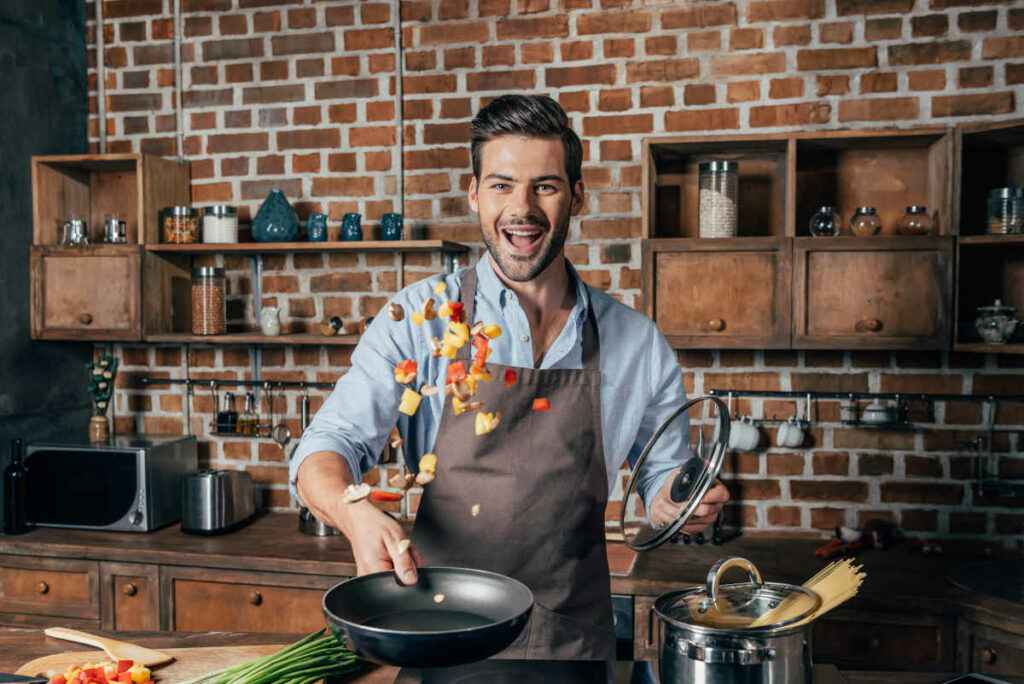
[[836, 583]]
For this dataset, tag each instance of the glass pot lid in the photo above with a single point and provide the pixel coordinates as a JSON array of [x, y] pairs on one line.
[[751, 605], [997, 308], [696, 475]]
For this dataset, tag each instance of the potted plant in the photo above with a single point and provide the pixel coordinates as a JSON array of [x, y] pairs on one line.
[[101, 388]]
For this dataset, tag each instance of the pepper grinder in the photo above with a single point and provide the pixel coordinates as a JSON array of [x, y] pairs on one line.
[[15, 493]]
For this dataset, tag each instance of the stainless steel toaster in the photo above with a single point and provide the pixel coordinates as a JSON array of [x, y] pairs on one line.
[[217, 501]]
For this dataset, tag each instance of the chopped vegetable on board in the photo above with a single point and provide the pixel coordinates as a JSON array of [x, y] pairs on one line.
[[541, 405], [510, 377], [395, 311], [410, 402], [381, 496], [486, 422], [354, 493], [405, 372]]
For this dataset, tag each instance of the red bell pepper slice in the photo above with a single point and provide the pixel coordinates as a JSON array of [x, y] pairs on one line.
[[58, 679], [541, 405], [456, 372], [125, 665], [481, 344], [124, 677], [381, 495], [510, 377], [457, 311]]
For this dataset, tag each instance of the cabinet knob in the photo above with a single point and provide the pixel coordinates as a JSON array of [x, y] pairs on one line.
[[255, 598], [716, 324], [129, 589], [988, 656], [85, 318], [42, 587], [869, 324]]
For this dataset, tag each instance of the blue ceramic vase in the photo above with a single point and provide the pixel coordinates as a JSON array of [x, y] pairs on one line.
[[352, 227], [276, 221], [316, 228], [391, 227]]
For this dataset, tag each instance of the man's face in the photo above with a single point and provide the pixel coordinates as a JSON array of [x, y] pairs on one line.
[[524, 202]]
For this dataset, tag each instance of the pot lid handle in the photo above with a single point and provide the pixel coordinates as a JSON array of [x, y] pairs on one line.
[[723, 566], [696, 475]]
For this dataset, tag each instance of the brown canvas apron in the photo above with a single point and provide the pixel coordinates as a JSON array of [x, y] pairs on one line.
[[540, 482]]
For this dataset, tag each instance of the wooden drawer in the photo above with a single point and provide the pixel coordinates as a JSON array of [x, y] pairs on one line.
[[992, 651], [213, 600], [130, 596], [872, 293], [49, 587], [883, 642], [719, 293]]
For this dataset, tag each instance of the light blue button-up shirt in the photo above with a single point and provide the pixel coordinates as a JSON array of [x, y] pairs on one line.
[[641, 382]]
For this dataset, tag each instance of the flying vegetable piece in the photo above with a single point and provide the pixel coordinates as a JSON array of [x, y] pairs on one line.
[[480, 374], [456, 311], [459, 407], [429, 390], [456, 372], [402, 481], [444, 311], [428, 463], [510, 377], [382, 496], [440, 288], [436, 347], [428, 309], [416, 318], [474, 510], [424, 478], [483, 350], [410, 402], [486, 422], [448, 351], [493, 330], [355, 492], [405, 372], [395, 311], [541, 405]]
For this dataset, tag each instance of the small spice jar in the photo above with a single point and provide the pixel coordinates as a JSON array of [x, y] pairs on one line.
[[1006, 210], [209, 316], [180, 225], [220, 224], [824, 223], [864, 222], [718, 183], [915, 222]]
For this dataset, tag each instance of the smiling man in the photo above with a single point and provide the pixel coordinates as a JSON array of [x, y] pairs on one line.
[[527, 499]]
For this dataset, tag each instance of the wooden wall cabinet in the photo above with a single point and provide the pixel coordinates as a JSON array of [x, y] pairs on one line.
[[872, 293], [720, 293]]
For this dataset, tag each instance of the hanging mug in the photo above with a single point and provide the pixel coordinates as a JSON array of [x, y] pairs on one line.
[[270, 324], [391, 226], [790, 434], [351, 227]]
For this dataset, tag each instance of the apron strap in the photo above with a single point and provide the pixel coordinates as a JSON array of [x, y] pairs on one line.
[[591, 339]]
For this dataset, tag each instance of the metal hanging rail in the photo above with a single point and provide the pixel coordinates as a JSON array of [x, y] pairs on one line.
[[219, 382], [908, 396]]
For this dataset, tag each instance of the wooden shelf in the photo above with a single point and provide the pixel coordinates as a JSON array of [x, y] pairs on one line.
[[985, 348], [991, 239], [275, 247], [302, 339]]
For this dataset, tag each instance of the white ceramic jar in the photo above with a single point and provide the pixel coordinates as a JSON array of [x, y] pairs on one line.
[[220, 224]]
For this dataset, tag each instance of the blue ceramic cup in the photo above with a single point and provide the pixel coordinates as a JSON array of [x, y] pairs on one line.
[[316, 228], [351, 227], [391, 226]]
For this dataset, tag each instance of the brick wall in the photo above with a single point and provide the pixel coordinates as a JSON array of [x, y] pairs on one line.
[[300, 95]]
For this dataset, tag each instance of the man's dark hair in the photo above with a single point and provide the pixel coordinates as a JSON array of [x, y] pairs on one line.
[[534, 116]]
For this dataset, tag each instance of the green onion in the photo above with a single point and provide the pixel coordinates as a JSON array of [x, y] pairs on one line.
[[312, 658]]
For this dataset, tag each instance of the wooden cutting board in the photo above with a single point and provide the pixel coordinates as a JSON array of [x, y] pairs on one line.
[[188, 663]]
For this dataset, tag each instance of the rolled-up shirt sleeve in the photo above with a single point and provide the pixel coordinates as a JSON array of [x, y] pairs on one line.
[[667, 395], [360, 412]]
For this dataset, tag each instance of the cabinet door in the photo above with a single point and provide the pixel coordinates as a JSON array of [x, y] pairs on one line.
[[90, 293], [130, 596], [201, 600], [49, 587], [873, 641], [873, 293], [719, 293], [992, 651]]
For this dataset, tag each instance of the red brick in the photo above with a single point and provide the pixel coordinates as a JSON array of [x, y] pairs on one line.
[[784, 516], [347, 89], [917, 520], [427, 184], [975, 77], [922, 466], [460, 58], [929, 26], [531, 28], [575, 102], [827, 518], [420, 61], [235, 73], [920, 492], [118, 9], [878, 109], [280, 283], [577, 50], [241, 48], [760, 63], [785, 464], [532, 6], [306, 163], [619, 47], [234, 166], [446, 134], [786, 88], [420, 85], [803, 114], [436, 159], [889, 28], [657, 96], [830, 463], [703, 41], [453, 9], [499, 55], [580, 75], [270, 166], [369, 39], [420, 11], [614, 100], [662, 70], [613, 22], [746, 39], [700, 15], [879, 82], [932, 79], [341, 162], [792, 35], [661, 45], [828, 490], [699, 94], [1015, 19], [144, 102], [538, 53], [973, 105], [743, 91], [837, 58], [508, 79], [309, 138], [702, 119], [375, 13], [970, 22], [617, 125], [291, 187], [348, 186], [844, 7], [929, 53], [340, 282], [874, 464], [836, 32], [774, 10], [237, 142], [1014, 74], [265, 94], [591, 229], [749, 490], [1004, 47]]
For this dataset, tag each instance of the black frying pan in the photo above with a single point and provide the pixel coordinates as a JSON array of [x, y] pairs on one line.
[[480, 614]]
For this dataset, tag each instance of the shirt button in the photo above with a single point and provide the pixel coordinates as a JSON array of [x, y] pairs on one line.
[[525, 338]]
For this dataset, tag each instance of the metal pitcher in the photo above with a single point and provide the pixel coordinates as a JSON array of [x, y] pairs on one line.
[[74, 232]]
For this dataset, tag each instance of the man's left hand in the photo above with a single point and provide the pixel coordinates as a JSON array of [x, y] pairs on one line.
[[664, 510]]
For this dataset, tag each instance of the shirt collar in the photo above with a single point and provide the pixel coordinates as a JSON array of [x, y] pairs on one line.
[[492, 288]]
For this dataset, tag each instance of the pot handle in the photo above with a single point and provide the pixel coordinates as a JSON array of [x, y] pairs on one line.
[[723, 566]]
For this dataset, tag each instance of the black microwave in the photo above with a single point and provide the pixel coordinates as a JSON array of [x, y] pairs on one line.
[[131, 483]]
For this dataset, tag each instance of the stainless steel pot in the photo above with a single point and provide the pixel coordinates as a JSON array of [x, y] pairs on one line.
[[714, 633]]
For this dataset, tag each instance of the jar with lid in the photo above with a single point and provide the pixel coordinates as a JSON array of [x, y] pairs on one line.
[[864, 222], [824, 223], [209, 316], [180, 225], [915, 222], [1006, 210], [718, 183], [220, 224]]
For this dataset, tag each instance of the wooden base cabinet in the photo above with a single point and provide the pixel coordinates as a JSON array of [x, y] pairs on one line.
[[856, 640], [35, 591], [130, 596]]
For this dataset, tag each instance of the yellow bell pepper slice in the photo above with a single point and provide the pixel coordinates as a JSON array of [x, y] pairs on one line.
[[492, 331], [410, 402], [428, 463], [440, 288], [417, 318], [486, 422]]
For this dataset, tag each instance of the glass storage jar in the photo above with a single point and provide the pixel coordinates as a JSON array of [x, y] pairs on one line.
[[824, 223], [864, 222], [209, 316], [180, 225], [718, 183], [1006, 210], [220, 224], [915, 222]]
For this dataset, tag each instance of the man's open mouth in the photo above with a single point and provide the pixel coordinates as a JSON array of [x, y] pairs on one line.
[[524, 238]]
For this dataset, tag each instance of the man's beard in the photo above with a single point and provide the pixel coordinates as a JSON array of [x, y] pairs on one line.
[[523, 269]]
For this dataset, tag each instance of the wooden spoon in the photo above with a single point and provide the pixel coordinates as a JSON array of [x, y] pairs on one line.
[[118, 650]]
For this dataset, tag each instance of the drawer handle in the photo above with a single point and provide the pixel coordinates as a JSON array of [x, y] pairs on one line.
[[869, 325], [988, 656], [42, 587], [129, 589], [85, 319], [255, 598], [716, 324]]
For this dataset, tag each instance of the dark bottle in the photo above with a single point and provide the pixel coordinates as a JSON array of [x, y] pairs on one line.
[[15, 492], [227, 417]]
